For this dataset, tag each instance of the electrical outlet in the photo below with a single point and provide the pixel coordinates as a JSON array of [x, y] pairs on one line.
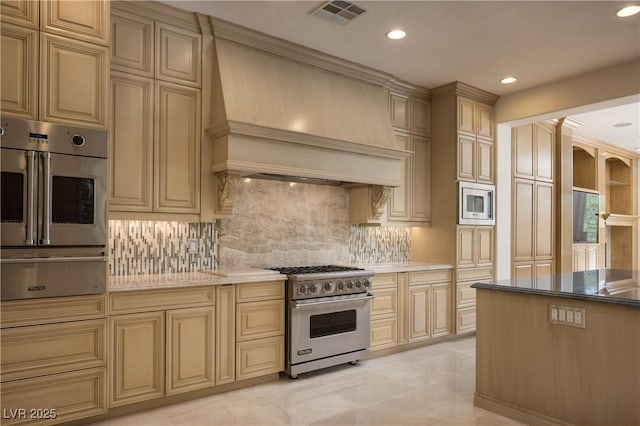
[[567, 315], [577, 317], [192, 246], [562, 314], [554, 313], [570, 316]]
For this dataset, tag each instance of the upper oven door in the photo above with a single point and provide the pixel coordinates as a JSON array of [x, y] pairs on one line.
[[73, 207], [328, 326], [18, 205]]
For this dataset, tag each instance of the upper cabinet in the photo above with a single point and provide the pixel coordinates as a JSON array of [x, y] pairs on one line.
[[155, 115], [59, 72], [411, 119], [533, 148], [476, 134]]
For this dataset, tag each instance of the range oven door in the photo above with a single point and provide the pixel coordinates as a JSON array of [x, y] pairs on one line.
[[18, 181], [328, 326]]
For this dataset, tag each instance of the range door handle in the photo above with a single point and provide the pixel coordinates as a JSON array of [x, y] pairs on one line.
[[32, 172], [45, 239], [300, 305]]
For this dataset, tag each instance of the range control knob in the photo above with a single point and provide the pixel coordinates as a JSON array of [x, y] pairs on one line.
[[302, 289], [312, 288], [358, 284], [327, 287], [340, 285], [349, 285], [366, 283]]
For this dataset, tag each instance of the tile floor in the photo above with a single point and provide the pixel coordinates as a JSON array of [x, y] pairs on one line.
[[433, 385]]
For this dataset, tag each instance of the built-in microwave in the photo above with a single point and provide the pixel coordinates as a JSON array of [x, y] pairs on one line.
[[476, 204]]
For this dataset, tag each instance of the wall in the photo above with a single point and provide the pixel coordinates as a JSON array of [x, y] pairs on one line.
[[274, 223]]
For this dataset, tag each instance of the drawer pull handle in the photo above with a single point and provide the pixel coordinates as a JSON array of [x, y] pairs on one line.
[[37, 288]]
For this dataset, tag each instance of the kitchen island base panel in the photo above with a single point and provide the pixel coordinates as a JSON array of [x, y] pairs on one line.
[[585, 376]]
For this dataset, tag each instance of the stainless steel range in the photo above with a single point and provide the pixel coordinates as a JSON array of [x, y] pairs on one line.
[[327, 320]]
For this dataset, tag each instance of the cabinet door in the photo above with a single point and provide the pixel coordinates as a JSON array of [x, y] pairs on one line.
[[466, 320], [523, 219], [18, 66], [86, 20], [524, 272], [440, 309], [131, 143], [466, 158], [384, 333], [544, 211], [466, 246], [385, 303], [399, 111], [177, 149], [543, 271], [137, 363], [419, 312], [484, 241], [256, 320], [74, 81], [484, 121], [466, 116], [178, 54], [544, 137], [485, 161], [190, 349], [259, 357], [420, 179], [399, 197], [225, 334], [74, 395], [132, 43], [465, 294], [523, 151], [22, 12], [420, 117]]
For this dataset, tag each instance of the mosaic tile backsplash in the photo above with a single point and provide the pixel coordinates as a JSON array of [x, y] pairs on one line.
[[153, 247], [379, 244]]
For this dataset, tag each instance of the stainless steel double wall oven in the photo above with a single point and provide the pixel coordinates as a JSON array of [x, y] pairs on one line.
[[53, 209]]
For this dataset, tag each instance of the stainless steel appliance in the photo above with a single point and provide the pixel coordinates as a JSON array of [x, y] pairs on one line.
[[327, 320], [476, 204], [53, 209]]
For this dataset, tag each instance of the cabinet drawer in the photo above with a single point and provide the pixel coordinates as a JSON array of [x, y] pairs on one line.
[[41, 311], [252, 292], [465, 295], [385, 280], [425, 277], [385, 303], [465, 320], [259, 319], [74, 395], [384, 333], [159, 300], [259, 357], [475, 274], [55, 348]]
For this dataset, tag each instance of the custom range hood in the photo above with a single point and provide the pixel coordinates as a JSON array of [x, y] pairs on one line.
[[285, 112]]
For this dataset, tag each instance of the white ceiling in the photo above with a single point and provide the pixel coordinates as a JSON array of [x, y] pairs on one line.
[[476, 42]]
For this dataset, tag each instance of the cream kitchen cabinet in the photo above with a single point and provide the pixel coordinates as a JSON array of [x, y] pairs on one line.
[[476, 135], [384, 311], [533, 224], [156, 112], [54, 357], [475, 246], [533, 152], [225, 334], [59, 72], [259, 329], [162, 343], [429, 296]]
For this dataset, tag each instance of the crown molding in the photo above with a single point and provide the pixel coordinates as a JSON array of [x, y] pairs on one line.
[[160, 12], [459, 88]]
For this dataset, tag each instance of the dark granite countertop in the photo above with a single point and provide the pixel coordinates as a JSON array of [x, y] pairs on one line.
[[617, 286]]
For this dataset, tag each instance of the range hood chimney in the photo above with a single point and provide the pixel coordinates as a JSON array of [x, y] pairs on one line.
[[287, 112]]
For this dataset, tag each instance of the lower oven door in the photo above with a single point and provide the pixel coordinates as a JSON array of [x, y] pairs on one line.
[[328, 326]]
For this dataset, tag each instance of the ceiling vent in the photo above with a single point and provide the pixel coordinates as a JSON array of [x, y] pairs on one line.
[[338, 11]]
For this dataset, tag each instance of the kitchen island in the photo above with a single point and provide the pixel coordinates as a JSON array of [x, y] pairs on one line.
[[561, 351]]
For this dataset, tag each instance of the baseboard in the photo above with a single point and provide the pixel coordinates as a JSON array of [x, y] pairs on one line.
[[520, 414]]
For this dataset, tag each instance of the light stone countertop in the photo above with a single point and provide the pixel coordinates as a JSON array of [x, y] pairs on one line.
[[235, 276]]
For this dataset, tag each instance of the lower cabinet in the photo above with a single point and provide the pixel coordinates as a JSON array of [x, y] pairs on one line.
[[53, 355], [410, 307], [464, 302], [258, 357]]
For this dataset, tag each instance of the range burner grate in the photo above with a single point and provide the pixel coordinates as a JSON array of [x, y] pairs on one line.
[[314, 269]]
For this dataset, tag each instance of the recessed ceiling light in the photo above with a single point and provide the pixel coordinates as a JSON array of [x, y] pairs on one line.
[[625, 124], [628, 11], [638, 149], [396, 34], [508, 80]]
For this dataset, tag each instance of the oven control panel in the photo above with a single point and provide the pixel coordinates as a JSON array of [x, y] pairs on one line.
[[330, 287]]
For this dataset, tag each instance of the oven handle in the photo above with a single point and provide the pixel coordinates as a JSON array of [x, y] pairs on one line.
[[31, 202], [297, 305], [46, 202], [67, 259]]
